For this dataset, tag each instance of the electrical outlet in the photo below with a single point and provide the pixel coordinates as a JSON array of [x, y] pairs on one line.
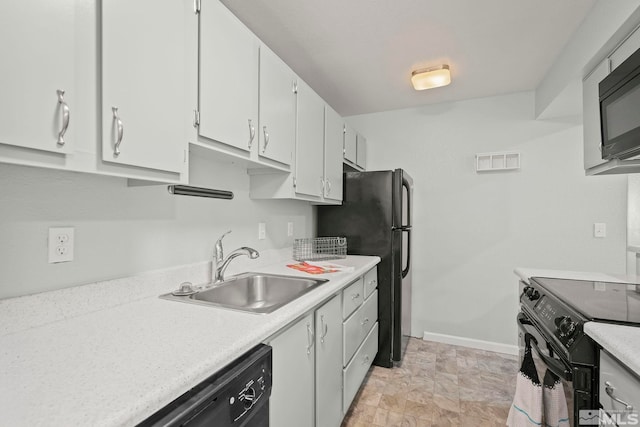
[[262, 231], [289, 229], [61, 244]]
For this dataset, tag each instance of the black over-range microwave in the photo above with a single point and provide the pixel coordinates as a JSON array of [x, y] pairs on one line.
[[620, 110]]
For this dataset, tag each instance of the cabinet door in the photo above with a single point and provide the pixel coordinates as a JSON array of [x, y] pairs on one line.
[[309, 142], [350, 144], [333, 137], [277, 108], [361, 151], [292, 402], [37, 51], [228, 87], [329, 364], [591, 116], [628, 47], [143, 75]]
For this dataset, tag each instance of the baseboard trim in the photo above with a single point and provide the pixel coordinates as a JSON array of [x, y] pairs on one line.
[[470, 342]]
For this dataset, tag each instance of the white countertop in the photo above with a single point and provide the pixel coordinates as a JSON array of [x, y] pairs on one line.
[[115, 364], [622, 342]]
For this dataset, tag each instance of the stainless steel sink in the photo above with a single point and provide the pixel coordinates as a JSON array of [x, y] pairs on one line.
[[252, 292]]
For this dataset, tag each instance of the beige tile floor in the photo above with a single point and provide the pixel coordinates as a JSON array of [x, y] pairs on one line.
[[437, 385]]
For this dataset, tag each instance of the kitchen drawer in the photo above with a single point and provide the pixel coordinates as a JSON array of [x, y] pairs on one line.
[[352, 297], [623, 385], [370, 282], [355, 372], [356, 328]]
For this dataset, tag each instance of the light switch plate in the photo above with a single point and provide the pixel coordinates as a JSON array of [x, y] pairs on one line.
[[599, 229], [262, 231]]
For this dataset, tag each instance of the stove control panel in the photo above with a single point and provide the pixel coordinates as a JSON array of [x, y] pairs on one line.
[[554, 317]]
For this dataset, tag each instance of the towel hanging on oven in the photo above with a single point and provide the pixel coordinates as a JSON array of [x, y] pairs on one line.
[[554, 401], [526, 409]]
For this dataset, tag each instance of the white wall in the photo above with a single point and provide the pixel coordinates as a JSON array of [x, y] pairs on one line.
[[121, 230], [472, 229]]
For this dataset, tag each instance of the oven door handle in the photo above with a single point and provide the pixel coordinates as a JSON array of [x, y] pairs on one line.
[[556, 366]]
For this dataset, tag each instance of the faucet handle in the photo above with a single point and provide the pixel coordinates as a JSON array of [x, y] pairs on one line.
[[219, 254], [222, 237]]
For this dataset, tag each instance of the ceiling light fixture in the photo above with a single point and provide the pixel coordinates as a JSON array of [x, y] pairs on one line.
[[428, 78]]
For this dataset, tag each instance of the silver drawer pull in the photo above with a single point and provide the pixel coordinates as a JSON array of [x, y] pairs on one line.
[[119, 131], [310, 337], [355, 296], [266, 139], [365, 321], [365, 360], [252, 133], [65, 116], [609, 388], [324, 328]]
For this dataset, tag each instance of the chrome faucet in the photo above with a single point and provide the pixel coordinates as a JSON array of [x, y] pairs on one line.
[[220, 263]]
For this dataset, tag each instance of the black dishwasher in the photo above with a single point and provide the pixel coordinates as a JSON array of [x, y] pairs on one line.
[[237, 395]]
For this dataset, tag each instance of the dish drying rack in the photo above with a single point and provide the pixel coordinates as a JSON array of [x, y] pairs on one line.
[[319, 248]]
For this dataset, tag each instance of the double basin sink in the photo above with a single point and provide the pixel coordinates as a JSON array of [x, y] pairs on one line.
[[249, 292]]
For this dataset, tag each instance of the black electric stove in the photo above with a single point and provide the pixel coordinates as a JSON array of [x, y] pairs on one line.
[[553, 313], [599, 301]]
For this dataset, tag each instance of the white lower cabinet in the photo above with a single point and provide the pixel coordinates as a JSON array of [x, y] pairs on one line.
[[292, 402], [357, 369], [358, 326], [329, 364], [360, 333], [619, 391], [313, 381]]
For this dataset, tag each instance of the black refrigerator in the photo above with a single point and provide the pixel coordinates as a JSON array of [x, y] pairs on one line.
[[375, 216]]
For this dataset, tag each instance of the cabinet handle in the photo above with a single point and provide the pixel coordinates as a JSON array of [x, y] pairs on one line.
[[355, 296], [311, 337], [372, 283], [266, 139], [65, 116], [609, 388], [324, 328], [366, 359], [120, 130], [252, 133], [328, 187], [364, 322]]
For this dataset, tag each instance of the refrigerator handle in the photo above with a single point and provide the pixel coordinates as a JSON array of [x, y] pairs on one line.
[[407, 185], [405, 270]]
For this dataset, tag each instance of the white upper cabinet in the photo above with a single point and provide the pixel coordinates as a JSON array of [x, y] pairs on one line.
[[277, 108], [309, 142], [361, 152], [37, 65], [333, 140], [228, 78], [143, 74], [350, 144]]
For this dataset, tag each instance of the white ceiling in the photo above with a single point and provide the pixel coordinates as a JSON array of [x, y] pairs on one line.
[[358, 54]]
